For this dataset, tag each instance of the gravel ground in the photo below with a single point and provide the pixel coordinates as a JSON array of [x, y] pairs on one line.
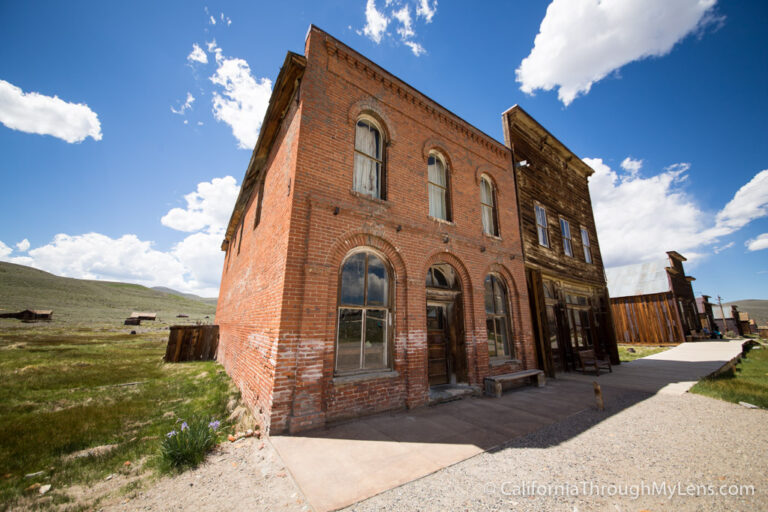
[[686, 439], [237, 476]]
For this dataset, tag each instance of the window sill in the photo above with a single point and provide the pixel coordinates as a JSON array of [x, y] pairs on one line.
[[492, 237], [441, 221], [361, 377], [500, 362], [376, 200]]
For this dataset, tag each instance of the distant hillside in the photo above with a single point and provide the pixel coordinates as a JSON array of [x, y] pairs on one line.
[[207, 300], [84, 301], [757, 309]]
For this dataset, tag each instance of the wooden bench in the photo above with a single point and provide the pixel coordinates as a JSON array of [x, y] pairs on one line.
[[587, 359], [494, 384]]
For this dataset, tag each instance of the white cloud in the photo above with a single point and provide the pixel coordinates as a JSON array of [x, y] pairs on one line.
[[631, 166], [721, 248], [426, 10], [375, 22], [406, 27], [209, 207], [187, 105], [758, 244], [45, 115], [211, 20], [192, 265], [580, 42], [244, 99], [416, 48], [639, 218], [197, 55], [23, 245]]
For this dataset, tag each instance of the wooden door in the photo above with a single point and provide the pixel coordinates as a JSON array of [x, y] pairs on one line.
[[437, 344]]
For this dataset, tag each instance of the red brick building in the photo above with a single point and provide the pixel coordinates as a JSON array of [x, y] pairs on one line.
[[374, 251]]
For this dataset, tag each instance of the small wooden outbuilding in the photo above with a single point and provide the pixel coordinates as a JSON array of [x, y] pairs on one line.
[[143, 315], [31, 315]]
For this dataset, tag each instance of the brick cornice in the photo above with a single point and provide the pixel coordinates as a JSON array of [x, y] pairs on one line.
[[417, 99]]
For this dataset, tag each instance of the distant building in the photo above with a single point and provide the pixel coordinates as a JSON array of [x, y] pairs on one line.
[[731, 322], [143, 316], [31, 315], [653, 302], [706, 316]]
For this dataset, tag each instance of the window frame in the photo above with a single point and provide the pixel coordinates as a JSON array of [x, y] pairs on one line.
[[494, 207], [567, 240], [586, 245], [381, 161], [446, 189], [542, 228], [504, 317], [389, 315]]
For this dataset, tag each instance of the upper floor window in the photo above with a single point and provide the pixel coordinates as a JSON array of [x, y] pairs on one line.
[[488, 207], [541, 225], [438, 187], [497, 318], [565, 229], [585, 244], [369, 167], [363, 314]]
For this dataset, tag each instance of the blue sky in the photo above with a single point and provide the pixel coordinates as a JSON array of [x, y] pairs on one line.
[[117, 179]]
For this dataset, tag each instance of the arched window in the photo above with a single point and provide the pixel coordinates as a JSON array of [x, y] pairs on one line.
[[363, 314], [437, 175], [497, 318], [369, 168], [488, 207]]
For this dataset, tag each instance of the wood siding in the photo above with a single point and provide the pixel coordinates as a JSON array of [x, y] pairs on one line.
[[647, 319]]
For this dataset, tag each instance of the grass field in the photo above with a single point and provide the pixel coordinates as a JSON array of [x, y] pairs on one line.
[[639, 351], [747, 382], [64, 389]]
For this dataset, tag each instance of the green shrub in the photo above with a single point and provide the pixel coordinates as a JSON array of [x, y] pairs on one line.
[[188, 446]]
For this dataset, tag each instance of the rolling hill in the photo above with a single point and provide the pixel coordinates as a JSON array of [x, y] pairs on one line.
[[86, 301], [757, 309], [207, 300]]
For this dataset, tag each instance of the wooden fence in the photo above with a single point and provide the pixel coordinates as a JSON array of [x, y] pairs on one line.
[[192, 343]]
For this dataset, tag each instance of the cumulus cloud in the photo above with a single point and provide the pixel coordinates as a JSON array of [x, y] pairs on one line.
[[23, 245], [32, 112], [243, 100], [395, 11], [755, 244], [639, 218], [375, 22], [197, 55], [207, 208], [631, 166], [192, 265], [187, 105], [580, 42]]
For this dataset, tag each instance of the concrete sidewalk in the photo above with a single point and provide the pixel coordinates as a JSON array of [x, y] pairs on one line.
[[341, 465], [673, 371]]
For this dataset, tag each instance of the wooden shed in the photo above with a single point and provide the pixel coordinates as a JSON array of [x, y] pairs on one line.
[[31, 315], [143, 315], [192, 343]]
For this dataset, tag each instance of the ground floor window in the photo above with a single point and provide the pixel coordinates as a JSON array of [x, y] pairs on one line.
[[497, 318]]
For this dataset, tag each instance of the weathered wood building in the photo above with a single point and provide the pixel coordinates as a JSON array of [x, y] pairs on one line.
[[706, 315], [563, 265], [654, 302], [31, 315]]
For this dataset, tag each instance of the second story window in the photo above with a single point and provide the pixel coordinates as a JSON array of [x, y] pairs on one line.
[[585, 244], [488, 207], [565, 229], [438, 187], [368, 159], [541, 225]]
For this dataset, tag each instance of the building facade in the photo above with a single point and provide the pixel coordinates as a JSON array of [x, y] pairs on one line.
[[654, 302], [706, 316], [564, 268]]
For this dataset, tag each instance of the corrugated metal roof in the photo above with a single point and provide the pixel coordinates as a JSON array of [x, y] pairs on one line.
[[639, 279]]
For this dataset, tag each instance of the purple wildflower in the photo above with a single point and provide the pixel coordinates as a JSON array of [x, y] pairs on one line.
[[214, 424], [184, 426], [170, 434]]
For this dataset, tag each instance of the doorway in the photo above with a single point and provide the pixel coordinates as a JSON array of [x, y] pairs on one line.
[[446, 350]]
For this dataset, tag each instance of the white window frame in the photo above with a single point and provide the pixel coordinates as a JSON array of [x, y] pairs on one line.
[[542, 230], [565, 231], [446, 192], [379, 161], [492, 207], [586, 245]]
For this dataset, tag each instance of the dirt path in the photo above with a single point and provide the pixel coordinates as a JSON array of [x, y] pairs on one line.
[[237, 476]]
